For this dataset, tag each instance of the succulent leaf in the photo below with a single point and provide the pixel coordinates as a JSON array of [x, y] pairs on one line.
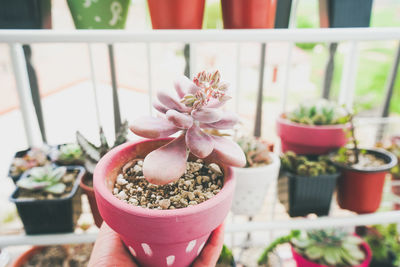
[[227, 121], [207, 115], [167, 163], [198, 142], [180, 120], [185, 86], [228, 152], [153, 127], [56, 188], [170, 102], [159, 107]]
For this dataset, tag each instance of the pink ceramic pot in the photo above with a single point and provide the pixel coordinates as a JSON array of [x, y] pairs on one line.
[[158, 237], [310, 140], [303, 262]]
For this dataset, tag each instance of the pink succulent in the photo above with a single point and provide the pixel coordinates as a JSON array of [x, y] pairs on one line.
[[195, 110]]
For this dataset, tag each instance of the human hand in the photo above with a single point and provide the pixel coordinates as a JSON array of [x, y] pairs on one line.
[[110, 251]]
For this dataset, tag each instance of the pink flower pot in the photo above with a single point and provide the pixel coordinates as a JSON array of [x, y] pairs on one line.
[[308, 139], [158, 237], [303, 262]]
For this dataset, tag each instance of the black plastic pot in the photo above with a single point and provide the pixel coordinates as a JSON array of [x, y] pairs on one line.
[[283, 8], [25, 14], [302, 195], [51, 215], [345, 13]]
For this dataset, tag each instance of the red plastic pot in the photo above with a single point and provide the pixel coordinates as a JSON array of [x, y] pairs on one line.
[[176, 14], [246, 14], [26, 256], [89, 191], [360, 190], [158, 237], [303, 262], [308, 139]]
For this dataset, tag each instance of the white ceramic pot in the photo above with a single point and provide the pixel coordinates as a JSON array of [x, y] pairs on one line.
[[252, 185]]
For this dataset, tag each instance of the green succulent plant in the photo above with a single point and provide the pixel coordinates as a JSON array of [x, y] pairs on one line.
[[301, 165], [384, 242], [70, 152], [47, 178], [332, 247], [92, 153], [226, 257], [321, 112], [257, 151]]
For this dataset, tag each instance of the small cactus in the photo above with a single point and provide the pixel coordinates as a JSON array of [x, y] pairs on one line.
[[300, 165], [45, 178], [69, 153], [321, 112]]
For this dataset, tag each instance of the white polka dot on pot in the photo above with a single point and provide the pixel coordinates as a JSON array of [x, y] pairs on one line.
[[147, 250], [133, 252], [190, 246], [201, 248], [170, 260]]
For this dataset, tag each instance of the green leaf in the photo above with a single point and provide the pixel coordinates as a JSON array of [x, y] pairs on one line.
[[56, 188], [58, 173], [314, 252]]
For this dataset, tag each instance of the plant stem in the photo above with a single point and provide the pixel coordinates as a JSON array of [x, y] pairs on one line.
[[354, 140]]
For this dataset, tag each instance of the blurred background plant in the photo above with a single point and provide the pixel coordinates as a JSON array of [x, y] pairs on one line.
[[256, 151], [301, 165]]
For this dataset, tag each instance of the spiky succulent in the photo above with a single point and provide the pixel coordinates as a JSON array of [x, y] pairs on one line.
[[257, 151], [45, 178], [301, 165], [194, 114], [321, 112], [331, 247], [92, 153]]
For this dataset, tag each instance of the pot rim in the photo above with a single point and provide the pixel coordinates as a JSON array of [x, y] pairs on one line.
[[101, 189], [74, 190], [26, 256], [376, 151], [364, 245], [282, 120], [85, 186], [275, 163]]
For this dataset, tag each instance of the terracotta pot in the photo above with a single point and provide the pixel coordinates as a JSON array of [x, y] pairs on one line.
[[176, 14], [309, 139], [158, 237], [246, 14], [252, 185], [89, 191], [26, 256], [360, 190], [303, 262]]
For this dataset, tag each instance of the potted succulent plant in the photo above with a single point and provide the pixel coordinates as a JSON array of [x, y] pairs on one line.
[[48, 200], [314, 128], [363, 173], [385, 245], [174, 198], [306, 186], [341, 13], [67, 154], [324, 248], [91, 155], [176, 14], [94, 14], [62, 255], [245, 14], [226, 258], [252, 181], [27, 159]]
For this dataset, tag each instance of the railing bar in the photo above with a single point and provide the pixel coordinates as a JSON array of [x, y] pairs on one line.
[[349, 74], [149, 78], [193, 36], [23, 89], [94, 83], [258, 119], [117, 112]]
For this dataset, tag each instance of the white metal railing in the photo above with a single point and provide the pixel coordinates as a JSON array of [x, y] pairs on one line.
[[15, 38]]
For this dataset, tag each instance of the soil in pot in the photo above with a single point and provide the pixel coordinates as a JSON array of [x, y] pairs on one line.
[[199, 183], [361, 184], [70, 255], [48, 213]]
